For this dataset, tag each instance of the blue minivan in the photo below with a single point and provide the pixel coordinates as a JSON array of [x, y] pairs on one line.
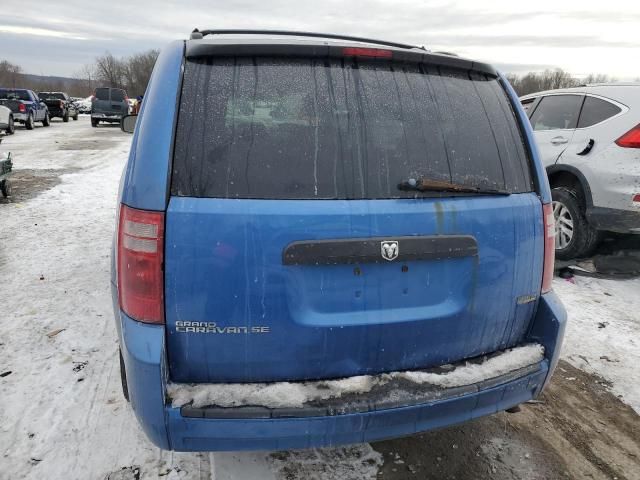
[[325, 240]]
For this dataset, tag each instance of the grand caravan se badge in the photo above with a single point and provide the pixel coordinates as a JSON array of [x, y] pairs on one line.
[[213, 328]]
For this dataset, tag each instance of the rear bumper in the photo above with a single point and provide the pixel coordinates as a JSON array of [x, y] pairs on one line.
[[20, 117], [614, 220], [56, 112], [144, 354], [107, 117]]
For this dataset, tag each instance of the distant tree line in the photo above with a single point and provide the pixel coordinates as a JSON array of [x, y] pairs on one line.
[[131, 73], [551, 79]]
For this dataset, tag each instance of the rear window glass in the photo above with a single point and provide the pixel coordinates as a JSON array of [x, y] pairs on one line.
[[340, 129], [596, 110], [102, 93], [117, 95], [14, 95]]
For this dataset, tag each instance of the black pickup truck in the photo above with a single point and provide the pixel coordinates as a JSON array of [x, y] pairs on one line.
[[60, 105]]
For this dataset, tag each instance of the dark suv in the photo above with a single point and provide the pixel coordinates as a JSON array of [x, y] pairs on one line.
[[326, 240], [108, 105]]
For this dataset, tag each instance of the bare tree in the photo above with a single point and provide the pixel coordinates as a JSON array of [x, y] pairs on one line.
[[110, 71], [87, 76], [598, 78], [11, 75], [138, 71]]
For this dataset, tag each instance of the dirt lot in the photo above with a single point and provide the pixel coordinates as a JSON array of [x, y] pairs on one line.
[[576, 430]]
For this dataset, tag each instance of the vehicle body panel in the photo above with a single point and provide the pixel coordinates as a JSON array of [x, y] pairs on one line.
[[143, 352], [109, 105], [229, 270], [32, 104], [237, 249], [59, 104], [609, 174], [5, 114]]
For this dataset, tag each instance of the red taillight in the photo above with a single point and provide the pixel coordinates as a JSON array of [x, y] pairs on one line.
[[61, 104], [140, 248], [93, 98], [636, 198], [631, 139], [549, 247], [22, 108], [366, 52]]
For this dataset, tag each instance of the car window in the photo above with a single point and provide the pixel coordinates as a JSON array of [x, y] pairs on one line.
[[54, 95], [527, 104], [596, 110], [557, 112], [102, 93], [340, 129], [8, 94], [117, 95]]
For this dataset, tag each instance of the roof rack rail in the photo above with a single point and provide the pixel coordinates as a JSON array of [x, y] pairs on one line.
[[198, 34]]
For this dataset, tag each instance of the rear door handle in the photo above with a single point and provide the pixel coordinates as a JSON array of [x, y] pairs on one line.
[[558, 140]]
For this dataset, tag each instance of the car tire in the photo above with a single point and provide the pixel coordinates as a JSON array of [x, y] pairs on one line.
[[5, 188], [123, 377], [75, 117], [11, 128], [47, 120], [65, 117], [29, 124], [94, 123], [575, 237]]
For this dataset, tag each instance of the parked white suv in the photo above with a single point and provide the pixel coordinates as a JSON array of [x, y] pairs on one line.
[[589, 140]]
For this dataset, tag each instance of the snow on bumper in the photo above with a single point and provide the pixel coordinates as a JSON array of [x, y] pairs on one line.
[[188, 428]]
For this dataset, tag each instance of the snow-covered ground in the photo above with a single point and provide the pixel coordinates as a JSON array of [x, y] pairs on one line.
[[62, 414]]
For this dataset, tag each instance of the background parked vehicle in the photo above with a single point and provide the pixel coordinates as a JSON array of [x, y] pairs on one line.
[[60, 105], [6, 120], [589, 141], [305, 210], [108, 105], [26, 106]]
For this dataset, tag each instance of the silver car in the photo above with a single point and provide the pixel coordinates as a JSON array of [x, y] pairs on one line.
[[589, 140]]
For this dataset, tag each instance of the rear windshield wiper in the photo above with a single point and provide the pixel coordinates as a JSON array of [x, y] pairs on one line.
[[430, 185]]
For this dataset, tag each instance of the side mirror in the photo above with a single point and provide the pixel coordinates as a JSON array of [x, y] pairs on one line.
[[128, 123]]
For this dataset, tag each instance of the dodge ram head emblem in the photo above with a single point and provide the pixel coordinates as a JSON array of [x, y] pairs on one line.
[[389, 250]]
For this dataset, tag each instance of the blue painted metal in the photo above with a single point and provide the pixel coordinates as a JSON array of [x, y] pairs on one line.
[[223, 264], [540, 175], [146, 178], [166, 428], [143, 351]]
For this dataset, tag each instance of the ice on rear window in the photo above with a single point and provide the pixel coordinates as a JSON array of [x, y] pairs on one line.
[[296, 394], [340, 129]]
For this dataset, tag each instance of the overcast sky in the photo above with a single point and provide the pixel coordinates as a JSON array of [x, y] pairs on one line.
[[56, 37]]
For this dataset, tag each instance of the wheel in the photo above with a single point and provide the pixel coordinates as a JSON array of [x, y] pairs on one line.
[[123, 378], [47, 120], [29, 124], [75, 117], [575, 237], [11, 129], [5, 188], [65, 117], [94, 123]]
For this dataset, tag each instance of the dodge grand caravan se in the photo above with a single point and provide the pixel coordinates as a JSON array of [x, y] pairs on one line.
[[325, 240]]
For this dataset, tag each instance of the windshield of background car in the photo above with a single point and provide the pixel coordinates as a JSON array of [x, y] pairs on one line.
[[277, 128]]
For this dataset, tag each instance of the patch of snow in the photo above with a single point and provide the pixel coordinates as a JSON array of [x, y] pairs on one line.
[[296, 394], [603, 331]]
